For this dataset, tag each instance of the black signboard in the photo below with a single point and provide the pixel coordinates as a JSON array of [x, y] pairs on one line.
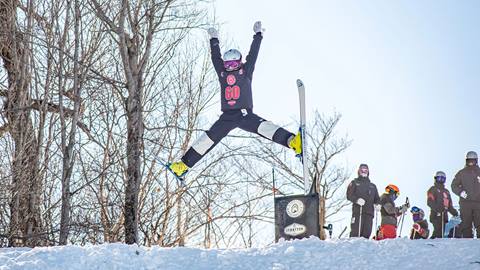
[[296, 216]]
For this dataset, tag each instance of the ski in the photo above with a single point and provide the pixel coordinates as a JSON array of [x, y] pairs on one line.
[[302, 129]]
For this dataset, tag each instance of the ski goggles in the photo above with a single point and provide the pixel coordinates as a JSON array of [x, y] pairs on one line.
[[417, 217], [232, 64], [440, 179], [417, 213]]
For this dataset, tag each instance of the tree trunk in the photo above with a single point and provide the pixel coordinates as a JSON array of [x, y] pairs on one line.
[[68, 159], [321, 217], [25, 220], [134, 177], [134, 142]]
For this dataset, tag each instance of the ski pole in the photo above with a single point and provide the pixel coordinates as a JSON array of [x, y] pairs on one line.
[[443, 229], [401, 226], [403, 216], [360, 221], [344, 229], [376, 219]]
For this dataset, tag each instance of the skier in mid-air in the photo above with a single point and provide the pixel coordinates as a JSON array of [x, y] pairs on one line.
[[237, 105]]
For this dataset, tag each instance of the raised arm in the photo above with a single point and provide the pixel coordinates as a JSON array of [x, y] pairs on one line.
[[215, 50], [254, 48]]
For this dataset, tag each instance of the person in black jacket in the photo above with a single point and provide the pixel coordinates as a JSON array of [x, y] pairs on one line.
[[235, 79], [363, 194], [420, 225], [466, 185], [440, 203]]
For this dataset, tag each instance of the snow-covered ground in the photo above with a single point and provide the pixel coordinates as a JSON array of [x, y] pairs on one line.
[[300, 254]]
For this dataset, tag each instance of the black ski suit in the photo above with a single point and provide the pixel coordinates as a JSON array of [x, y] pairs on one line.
[[237, 106], [440, 203], [468, 180], [361, 187]]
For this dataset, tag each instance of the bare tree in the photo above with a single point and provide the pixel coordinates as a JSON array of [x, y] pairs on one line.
[[134, 26], [16, 53]]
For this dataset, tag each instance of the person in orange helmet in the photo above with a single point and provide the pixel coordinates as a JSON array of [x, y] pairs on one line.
[[389, 212]]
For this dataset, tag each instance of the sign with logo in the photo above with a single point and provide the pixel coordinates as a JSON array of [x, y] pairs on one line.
[[295, 208], [296, 216], [295, 229]]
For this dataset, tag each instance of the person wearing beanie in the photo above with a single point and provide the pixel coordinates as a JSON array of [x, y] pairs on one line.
[[363, 194]]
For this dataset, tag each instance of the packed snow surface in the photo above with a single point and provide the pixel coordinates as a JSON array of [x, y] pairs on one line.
[[299, 254]]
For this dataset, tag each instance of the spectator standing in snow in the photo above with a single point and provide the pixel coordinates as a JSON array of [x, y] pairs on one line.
[[363, 194], [440, 203], [388, 227], [466, 185]]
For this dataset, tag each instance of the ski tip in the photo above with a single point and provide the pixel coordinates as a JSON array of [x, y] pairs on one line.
[[299, 83]]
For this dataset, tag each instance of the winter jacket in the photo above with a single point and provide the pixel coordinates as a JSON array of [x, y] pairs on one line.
[[236, 86], [424, 235], [361, 187], [468, 180], [389, 211], [440, 201]]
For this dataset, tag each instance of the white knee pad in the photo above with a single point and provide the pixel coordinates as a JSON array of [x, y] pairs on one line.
[[202, 144], [267, 129]]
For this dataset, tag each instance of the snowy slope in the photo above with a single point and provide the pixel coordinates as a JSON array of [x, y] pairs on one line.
[[300, 254]]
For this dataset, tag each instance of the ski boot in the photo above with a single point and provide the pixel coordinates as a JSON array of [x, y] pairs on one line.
[[178, 168], [296, 144]]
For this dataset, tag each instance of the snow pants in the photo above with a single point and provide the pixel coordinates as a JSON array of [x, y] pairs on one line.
[[365, 228], [229, 120], [387, 231], [438, 225], [469, 215]]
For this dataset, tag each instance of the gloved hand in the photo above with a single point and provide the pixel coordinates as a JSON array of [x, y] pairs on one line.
[[403, 209], [361, 202], [212, 32], [378, 207], [419, 229], [463, 194], [257, 27]]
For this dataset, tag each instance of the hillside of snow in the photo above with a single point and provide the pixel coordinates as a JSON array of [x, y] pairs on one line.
[[299, 254]]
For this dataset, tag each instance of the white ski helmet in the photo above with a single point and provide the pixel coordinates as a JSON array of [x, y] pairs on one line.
[[232, 55], [471, 155]]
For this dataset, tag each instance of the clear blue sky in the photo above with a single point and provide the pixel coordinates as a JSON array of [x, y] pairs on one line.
[[404, 75]]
